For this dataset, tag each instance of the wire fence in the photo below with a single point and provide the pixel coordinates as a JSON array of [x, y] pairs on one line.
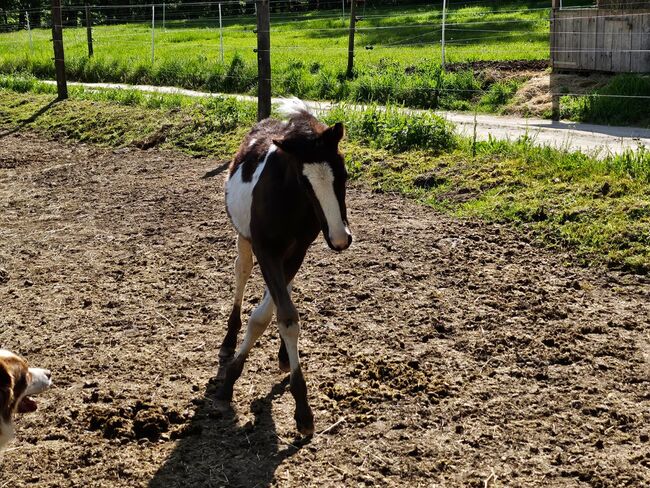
[[223, 36]]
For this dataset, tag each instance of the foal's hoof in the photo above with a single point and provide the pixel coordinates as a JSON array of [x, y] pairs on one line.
[[305, 422], [223, 395], [284, 366]]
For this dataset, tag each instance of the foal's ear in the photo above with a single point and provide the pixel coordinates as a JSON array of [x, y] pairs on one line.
[[334, 133], [286, 145]]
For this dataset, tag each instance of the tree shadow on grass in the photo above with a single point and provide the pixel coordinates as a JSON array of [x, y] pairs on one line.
[[216, 451], [32, 118]]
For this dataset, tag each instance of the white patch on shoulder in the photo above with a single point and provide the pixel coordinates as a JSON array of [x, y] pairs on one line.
[[252, 143], [321, 178], [239, 196]]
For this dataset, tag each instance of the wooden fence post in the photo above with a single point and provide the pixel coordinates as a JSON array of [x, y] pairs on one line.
[[353, 22], [263, 59], [89, 32], [57, 42], [553, 88]]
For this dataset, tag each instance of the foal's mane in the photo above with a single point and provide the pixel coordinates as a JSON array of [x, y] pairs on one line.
[[301, 130]]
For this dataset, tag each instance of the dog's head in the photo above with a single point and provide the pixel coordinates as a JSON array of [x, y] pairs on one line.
[[18, 382]]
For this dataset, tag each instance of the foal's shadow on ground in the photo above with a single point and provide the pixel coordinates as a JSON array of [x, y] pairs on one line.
[[217, 450], [225, 163]]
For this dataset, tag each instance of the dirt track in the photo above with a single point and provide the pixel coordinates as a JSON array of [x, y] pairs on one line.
[[443, 352]]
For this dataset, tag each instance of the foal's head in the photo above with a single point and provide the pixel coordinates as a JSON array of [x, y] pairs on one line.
[[314, 148]]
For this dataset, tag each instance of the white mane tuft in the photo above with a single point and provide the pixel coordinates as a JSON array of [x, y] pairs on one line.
[[288, 107]]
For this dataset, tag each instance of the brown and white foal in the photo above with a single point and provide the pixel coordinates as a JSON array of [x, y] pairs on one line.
[[286, 184]]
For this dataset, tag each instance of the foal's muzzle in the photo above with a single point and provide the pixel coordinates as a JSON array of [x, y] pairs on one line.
[[341, 242]]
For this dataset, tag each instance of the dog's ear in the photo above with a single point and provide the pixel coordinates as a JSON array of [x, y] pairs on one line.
[[6, 393]]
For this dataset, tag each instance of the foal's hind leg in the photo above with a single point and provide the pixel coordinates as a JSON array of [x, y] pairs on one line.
[[257, 324], [243, 268]]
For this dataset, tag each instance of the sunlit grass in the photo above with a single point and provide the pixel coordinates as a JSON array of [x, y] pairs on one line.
[[308, 51]]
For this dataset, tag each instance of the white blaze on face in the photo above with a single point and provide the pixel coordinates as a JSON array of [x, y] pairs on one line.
[[321, 178], [239, 196]]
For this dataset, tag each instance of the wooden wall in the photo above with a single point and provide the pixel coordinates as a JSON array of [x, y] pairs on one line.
[[601, 40]]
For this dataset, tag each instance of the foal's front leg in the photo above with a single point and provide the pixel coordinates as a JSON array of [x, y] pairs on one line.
[[289, 325], [243, 268]]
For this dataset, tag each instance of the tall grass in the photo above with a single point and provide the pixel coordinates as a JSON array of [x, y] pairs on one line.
[[615, 103], [394, 130]]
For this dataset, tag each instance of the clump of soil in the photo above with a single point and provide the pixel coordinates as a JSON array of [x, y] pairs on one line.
[[382, 380], [139, 421]]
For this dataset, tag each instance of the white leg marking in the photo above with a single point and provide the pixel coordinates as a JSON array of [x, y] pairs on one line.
[[243, 267], [257, 324], [239, 196], [322, 181], [290, 334]]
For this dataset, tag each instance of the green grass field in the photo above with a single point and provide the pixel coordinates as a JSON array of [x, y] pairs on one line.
[[308, 52]]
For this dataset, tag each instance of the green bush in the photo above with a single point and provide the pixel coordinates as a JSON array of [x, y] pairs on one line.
[[620, 107]]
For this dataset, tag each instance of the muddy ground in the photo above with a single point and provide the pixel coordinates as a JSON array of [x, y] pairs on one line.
[[437, 352]]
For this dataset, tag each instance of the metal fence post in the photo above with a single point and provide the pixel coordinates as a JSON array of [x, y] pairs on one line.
[[353, 21], [263, 59], [89, 32], [221, 33], [343, 6], [57, 42], [153, 29], [442, 38], [29, 30], [553, 88], [163, 15]]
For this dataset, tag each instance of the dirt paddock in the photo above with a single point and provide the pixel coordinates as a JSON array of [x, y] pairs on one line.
[[437, 352]]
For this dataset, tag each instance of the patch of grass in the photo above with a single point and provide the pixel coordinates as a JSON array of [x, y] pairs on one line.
[[395, 130], [620, 109], [499, 95], [599, 208]]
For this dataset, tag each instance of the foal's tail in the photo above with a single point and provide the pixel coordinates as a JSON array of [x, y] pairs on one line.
[[289, 107]]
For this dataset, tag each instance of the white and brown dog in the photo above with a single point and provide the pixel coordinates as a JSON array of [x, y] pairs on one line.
[[17, 383]]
